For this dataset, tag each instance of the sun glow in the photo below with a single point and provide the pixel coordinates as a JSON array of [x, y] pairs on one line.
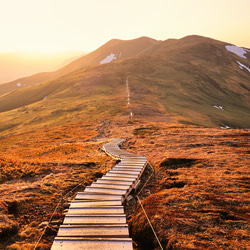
[[39, 47], [54, 26]]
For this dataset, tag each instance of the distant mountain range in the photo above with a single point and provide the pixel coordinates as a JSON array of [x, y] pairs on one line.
[[14, 65], [193, 80]]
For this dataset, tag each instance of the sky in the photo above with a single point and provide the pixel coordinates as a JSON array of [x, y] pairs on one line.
[[85, 25]]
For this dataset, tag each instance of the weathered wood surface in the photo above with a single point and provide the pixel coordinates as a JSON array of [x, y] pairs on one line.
[[96, 219]]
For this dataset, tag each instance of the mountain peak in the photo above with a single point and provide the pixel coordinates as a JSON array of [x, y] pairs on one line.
[[196, 39], [144, 40]]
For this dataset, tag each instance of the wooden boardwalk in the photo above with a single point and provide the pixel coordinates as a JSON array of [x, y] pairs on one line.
[[96, 218]]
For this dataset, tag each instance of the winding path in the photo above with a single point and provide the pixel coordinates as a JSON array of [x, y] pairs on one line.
[[96, 219], [129, 104]]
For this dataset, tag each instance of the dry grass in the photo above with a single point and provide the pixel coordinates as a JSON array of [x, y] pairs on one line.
[[201, 199], [198, 199], [38, 168], [200, 195]]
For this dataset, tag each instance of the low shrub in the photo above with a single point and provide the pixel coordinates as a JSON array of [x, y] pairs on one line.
[[7, 226]]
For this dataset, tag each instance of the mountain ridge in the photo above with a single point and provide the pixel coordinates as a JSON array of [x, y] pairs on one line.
[[186, 81], [181, 103], [146, 46], [88, 60]]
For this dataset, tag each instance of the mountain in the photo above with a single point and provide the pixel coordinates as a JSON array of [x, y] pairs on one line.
[[18, 64], [180, 93], [193, 80], [112, 50]]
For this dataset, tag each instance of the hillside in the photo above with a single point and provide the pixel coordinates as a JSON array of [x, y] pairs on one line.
[[196, 197], [173, 101], [194, 80], [113, 50]]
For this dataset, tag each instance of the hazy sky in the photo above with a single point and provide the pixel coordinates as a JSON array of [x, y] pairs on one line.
[[85, 25]]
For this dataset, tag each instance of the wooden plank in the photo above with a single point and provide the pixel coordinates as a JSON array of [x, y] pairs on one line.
[[70, 243], [128, 172], [122, 175], [117, 178], [96, 210], [106, 190], [94, 196], [117, 167], [109, 185], [140, 158], [131, 164], [93, 203], [110, 181], [120, 231], [94, 219]]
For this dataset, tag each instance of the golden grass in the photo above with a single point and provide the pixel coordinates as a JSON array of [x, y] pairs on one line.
[[201, 198], [198, 199], [38, 168]]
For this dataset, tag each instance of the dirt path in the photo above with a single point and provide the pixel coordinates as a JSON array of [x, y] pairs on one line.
[[129, 103]]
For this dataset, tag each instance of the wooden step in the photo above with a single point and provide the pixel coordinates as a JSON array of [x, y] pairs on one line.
[[93, 203], [94, 219], [117, 178], [96, 210], [129, 172], [94, 196], [106, 190], [140, 158], [140, 163], [131, 168], [135, 167], [131, 159], [78, 243], [122, 175], [114, 182], [109, 185], [119, 231]]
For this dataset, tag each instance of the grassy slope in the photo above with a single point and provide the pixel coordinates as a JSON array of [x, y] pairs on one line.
[[198, 197], [190, 80], [84, 95], [36, 169], [184, 80]]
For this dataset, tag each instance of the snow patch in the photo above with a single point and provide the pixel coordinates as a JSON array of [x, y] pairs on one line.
[[241, 66], [109, 58], [218, 107], [237, 50], [19, 85], [226, 127]]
